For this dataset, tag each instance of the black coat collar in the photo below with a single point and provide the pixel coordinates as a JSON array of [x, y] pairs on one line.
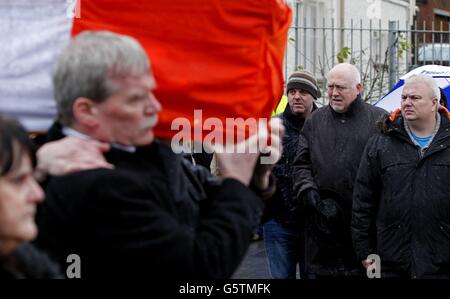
[[355, 107], [294, 120]]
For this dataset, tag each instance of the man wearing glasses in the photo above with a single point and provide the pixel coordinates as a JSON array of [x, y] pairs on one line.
[[331, 144]]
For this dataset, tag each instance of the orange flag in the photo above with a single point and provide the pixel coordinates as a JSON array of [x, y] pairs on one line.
[[221, 57]]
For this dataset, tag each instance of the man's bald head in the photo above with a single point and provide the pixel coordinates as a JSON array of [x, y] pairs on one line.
[[343, 86]]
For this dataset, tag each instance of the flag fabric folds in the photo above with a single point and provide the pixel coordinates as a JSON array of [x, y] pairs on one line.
[[221, 57], [441, 75]]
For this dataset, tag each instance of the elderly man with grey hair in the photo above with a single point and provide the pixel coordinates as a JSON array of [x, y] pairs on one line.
[[152, 214], [401, 201], [330, 147]]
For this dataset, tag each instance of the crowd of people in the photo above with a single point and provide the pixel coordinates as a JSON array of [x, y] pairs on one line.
[[350, 181]]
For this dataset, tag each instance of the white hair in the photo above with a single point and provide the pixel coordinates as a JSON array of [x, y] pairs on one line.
[[435, 92], [352, 70], [88, 64]]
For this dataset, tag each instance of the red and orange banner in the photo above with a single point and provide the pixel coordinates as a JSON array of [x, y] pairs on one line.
[[221, 57]]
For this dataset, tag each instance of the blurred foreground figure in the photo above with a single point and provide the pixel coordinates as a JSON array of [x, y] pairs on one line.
[[153, 214], [19, 196]]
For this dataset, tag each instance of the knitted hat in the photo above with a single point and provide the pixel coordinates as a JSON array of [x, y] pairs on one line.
[[303, 80]]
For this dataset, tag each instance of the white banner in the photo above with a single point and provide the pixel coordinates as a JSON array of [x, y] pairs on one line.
[[32, 33]]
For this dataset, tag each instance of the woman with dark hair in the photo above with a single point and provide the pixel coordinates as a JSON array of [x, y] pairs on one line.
[[19, 196]]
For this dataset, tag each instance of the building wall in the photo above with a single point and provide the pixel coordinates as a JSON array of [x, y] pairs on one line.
[[316, 49], [433, 12], [341, 13]]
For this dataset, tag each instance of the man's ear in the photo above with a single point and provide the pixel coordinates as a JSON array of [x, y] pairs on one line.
[[359, 87], [435, 101], [85, 112]]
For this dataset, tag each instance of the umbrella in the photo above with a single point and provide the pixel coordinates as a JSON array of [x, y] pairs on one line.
[[441, 74]]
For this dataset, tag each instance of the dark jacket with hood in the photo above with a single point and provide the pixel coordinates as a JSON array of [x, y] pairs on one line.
[[330, 148], [285, 206], [401, 208], [154, 215]]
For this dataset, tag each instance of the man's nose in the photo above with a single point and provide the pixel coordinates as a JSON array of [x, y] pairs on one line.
[[407, 101], [297, 95], [334, 91], [153, 106]]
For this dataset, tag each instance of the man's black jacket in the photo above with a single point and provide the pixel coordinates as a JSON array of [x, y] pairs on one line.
[[330, 149], [401, 208], [154, 215]]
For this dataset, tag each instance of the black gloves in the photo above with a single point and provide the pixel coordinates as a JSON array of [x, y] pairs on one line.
[[311, 198], [324, 216], [326, 207], [329, 209]]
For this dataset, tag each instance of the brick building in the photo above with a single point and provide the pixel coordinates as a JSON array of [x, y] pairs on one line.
[[433, 15]]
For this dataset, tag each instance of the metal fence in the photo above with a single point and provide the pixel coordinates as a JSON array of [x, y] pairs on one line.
[[382, 52]]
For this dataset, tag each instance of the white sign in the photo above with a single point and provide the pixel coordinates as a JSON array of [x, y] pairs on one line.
[[32, 33]]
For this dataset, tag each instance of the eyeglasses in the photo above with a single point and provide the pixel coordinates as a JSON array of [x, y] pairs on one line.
[[339, 88]]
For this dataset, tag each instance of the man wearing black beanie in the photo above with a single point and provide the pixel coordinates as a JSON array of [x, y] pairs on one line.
[[283, 229]]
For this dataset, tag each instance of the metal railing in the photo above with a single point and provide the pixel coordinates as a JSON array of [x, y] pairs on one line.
[[382, 52]]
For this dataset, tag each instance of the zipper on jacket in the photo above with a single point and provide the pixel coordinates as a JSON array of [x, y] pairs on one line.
[[421, 153], [412, 239]]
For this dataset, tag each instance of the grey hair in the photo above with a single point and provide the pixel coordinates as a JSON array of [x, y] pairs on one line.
[[349, 68], [428, 81], [88, 66]]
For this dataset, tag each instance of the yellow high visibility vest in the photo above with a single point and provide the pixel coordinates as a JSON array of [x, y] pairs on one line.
[[281, 106]]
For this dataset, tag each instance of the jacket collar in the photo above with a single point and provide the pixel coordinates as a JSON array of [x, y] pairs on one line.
[[354, 108], [433, 134], [294, 120], [67, 131], [57, 131], [394, 124], [397, 113]]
